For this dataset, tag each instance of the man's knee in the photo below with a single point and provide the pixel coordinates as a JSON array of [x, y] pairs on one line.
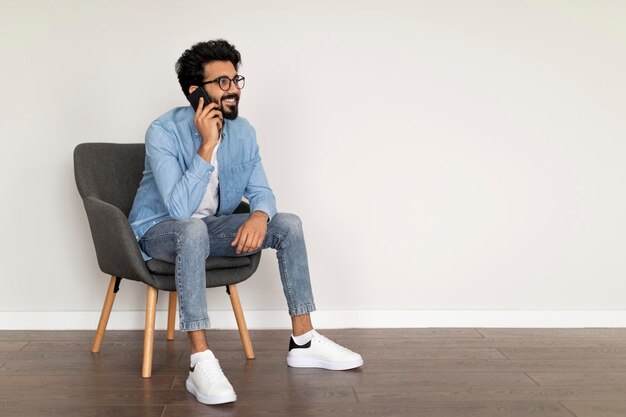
[[287, 221], [192, 231]]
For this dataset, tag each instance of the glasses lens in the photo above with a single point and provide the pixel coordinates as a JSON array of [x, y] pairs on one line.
[[241, 81], [224, 83]]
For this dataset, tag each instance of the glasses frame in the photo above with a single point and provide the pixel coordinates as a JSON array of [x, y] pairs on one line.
[[230, 82]]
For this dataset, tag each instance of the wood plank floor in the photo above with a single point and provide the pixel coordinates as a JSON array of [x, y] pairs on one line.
[[434, 372]]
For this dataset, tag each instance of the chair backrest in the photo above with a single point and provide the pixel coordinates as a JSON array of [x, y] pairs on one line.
[[110, 172]]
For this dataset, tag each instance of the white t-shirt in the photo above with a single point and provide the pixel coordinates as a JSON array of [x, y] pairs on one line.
[[208, 205]]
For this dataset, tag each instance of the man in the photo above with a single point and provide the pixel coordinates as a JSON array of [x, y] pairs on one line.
[[183, 212]]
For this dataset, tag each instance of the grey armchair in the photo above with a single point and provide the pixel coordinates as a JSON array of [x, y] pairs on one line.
[[107, 176]]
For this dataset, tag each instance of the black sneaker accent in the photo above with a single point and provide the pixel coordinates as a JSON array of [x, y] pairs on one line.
[[294, 345], [191, 368]]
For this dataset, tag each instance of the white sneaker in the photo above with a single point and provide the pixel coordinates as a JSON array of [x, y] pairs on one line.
[[322, 352], [208, 383]]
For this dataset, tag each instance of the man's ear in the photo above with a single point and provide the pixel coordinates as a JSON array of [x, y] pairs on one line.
[[192, 88]]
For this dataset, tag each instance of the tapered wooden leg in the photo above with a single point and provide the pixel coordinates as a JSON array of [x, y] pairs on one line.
[[241, 321], [171, 316], [148, 338], [104, 316]]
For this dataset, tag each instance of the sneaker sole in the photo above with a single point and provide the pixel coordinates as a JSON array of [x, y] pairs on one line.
[[209, 399], [296, 362]]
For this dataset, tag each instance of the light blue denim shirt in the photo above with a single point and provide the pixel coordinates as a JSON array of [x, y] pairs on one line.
[[175, 177]]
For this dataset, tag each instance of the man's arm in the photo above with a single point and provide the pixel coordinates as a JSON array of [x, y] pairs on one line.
[[180, 191], [259, 193], [251, 233]]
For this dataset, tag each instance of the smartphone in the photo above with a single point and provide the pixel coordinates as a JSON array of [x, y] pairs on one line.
[[194, 98]]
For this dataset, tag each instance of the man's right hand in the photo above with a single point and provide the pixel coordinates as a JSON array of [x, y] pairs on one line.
[[208, 121]]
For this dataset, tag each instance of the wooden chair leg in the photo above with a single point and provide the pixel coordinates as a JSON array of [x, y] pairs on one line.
[[171, 316], [104, 316], [241, 321], [148, 338]]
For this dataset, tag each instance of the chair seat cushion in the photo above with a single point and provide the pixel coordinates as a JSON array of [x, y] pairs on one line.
[[212, 262]]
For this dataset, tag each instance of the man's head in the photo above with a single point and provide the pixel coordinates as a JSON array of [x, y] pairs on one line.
[[210, 65]]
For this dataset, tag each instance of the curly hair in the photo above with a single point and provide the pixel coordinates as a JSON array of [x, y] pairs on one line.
[[190, 66]]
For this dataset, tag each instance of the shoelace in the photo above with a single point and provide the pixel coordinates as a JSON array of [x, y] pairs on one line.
[[324, 339], [212, 370]]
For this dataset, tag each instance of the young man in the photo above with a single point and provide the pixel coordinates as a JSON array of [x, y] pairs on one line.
[[183, 212]]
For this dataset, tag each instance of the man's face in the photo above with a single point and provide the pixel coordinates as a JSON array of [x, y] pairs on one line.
[[228, 101]]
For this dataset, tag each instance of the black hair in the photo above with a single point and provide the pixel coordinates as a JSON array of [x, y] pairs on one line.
[[190, 66]]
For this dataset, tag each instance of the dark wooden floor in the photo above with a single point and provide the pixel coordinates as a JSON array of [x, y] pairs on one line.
[[408, 372]]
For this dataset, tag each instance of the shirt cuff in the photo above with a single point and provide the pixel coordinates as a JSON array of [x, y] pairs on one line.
[[201, 168]]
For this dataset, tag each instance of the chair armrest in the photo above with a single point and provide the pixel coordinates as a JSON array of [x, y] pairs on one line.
[[116, 247]]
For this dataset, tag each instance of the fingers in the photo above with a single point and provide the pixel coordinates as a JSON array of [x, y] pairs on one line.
[[200, 107], [242, 242], [208, 121], [247, 242], [248, 239], [254, 241], [257, 242], [210, 112], [250, 242]]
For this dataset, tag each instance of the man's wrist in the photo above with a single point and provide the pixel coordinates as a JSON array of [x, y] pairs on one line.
[[261, 214], [206, 152]]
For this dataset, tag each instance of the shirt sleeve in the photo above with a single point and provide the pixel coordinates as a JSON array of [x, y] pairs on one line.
[[180, 190], [258, 191]]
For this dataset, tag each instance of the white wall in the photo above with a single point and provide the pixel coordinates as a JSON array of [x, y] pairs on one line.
[[443, 156]]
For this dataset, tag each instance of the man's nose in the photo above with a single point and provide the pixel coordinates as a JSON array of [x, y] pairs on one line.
[[234, 89]]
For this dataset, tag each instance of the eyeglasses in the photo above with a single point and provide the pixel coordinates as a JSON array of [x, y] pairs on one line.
[[224, 82]]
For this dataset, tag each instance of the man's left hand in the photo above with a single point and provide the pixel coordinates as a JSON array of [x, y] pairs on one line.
[[251, 233]]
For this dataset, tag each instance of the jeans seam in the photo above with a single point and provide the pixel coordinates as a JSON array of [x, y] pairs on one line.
[[154, 235], [179, 281], [283, 261], [223, 235]]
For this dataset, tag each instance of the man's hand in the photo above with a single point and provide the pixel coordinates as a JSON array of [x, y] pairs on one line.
[[208, 121], [251, 233]]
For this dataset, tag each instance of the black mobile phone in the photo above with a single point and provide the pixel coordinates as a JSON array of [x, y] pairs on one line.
[[194, 98]]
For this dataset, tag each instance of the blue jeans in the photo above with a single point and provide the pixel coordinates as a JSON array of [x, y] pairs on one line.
[[187, 243]]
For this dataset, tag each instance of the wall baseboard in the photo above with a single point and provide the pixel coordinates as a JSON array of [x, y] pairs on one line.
[[274, 319]]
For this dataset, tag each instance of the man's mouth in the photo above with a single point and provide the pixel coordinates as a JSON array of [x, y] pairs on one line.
[[230, 101]]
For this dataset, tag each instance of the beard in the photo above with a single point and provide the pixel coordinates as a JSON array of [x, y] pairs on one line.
[[229, 112]]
